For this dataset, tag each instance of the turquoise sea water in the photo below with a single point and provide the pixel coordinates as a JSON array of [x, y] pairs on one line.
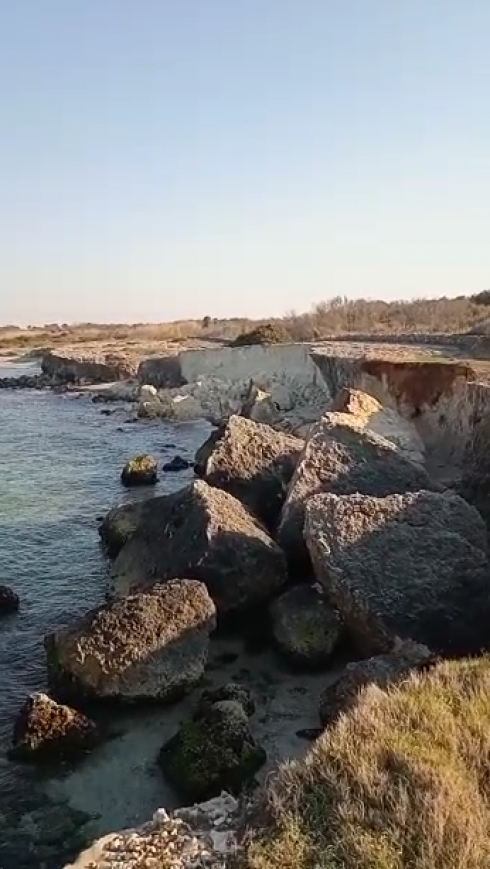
[[60, 460]]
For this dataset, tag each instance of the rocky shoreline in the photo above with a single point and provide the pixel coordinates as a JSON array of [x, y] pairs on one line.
[[300, 534]]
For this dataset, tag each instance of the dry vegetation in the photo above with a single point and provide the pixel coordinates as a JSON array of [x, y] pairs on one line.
[[338, 316], [400, 782]]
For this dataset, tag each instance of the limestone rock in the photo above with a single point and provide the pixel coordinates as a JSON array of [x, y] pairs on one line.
[[215, 751], [203, 533], [253, 462], [140, 471], [45, 730], [151, 645], [120, 523], [305, 627], [259, 406], [92, 368], [381, 670], [413, 566], [9, 601], [341, 457], [230, 691]]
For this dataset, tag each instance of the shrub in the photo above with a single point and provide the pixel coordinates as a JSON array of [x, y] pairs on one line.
[[400, 782], [267, 333]]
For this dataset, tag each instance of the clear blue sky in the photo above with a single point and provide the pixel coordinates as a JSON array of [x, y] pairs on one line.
[[173, 158]]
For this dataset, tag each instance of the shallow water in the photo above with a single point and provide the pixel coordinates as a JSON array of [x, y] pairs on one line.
[[60, 462]]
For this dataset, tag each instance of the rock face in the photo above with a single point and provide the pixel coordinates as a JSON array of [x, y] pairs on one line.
[[162, 372], [382, 670], [9, 601], [305, 627], [253, 462], [95, 369], [413, 566], [45, 730], [342, 457], [120, 523], [149, 646], [140, 471], [213, 752], [206, 534]]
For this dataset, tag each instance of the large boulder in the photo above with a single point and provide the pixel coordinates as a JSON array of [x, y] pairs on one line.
[[305, 627], [120, 523], [140, 471], [148, 646], [9, 601], [251, 461], [46, 730], [381, 670], [206, 534], [413, 566], [342, 457], [213, 752]]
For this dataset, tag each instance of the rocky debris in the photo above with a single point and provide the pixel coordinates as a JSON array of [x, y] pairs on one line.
[[26, 381], [214, 751], [385, 421], [45, 730], [177, 464], [266, 333], [259, 406], [175, 406], [305, 627], [342, 457], [148, 646], [252, 462], [381, 670], [140, 471], [203, 533], [202, 836], [120, 523], [230, 691], [413, 566], [9, 601], [102, 368]]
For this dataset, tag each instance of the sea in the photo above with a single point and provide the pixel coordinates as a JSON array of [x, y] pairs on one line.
[[60, 461]]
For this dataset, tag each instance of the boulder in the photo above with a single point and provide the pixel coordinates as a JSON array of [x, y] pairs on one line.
[[413, 566], [230, 691], [203, 533], [305, 627], [148, 646], [259, 406], [177, 464], [251, 461], [120, 523], [213, 752], [342, 457], [140, 471], [381, 670], [9, 601], [46, 730]]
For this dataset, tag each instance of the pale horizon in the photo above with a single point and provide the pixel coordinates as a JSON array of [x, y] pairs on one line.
[[163, 161]]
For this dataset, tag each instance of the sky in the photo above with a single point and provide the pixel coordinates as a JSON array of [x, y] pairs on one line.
[[166, 159]]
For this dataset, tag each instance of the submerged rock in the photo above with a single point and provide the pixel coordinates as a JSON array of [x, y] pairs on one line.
[[149, 646], [140, 471], [413, 566], [251, 461], [177, 464], [382, 670], [9, 601], [120, 523], [305, 627], [215, 751], [203, 533], [46, 730], [342, 457]]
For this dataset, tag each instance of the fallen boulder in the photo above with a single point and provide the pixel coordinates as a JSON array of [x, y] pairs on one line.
[[259, 406], [215, 751], [9, 601], [140, 471], [203, 533], [342, 457], [381, 670], [120, 523], [251, 461], [305, 627], [46, 730], [412, 566], [149, 646]]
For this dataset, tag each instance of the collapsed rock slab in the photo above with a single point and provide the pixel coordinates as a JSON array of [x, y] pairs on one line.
[[206, 534], [342, 457], [140, 471], [215, 751], [411, 566], [381, 670], [305, 627], [46, 730], [120, 523], [251, 461], [148, 646]]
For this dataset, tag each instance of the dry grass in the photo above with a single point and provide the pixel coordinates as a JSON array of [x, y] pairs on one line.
[[400, 782]]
